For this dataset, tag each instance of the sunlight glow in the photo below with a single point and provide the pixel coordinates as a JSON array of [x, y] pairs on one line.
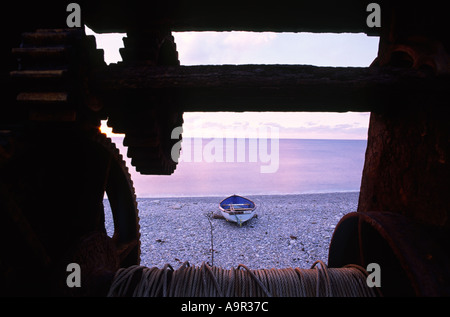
[[108, 131]]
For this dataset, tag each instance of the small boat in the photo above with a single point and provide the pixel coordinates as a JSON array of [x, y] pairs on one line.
[[237, 209]]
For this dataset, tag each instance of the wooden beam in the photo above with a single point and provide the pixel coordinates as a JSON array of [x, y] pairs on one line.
[[269, 87]]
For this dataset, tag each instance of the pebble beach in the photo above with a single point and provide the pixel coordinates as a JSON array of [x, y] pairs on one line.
[[288, 230]]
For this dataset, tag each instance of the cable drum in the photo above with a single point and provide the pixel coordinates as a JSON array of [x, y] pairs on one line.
[[212, 281]]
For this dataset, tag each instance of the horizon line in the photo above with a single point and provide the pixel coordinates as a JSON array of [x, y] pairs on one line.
[[121, 136]]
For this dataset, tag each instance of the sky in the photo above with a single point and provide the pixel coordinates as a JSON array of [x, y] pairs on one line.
[[218, 48]]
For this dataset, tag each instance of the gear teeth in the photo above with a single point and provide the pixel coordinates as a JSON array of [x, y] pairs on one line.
[[130, 257], [50, 76], [39, 74], [148, 133], [43, 97], [50, 52]]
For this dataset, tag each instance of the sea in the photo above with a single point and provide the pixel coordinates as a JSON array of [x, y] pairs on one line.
[[222, 167]]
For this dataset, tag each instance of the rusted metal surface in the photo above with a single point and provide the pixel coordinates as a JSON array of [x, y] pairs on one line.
[[270, 87], [414, 258]]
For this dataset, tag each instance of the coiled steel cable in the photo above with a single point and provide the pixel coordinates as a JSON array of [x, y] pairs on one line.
[[207, 281]]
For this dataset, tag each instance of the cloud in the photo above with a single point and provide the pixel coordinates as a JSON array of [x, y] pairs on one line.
[[321, 49], [215, 48], [239, 40], [300, 125]]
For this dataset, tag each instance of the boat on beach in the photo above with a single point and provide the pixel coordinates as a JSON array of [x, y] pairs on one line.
[[237, 209]]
